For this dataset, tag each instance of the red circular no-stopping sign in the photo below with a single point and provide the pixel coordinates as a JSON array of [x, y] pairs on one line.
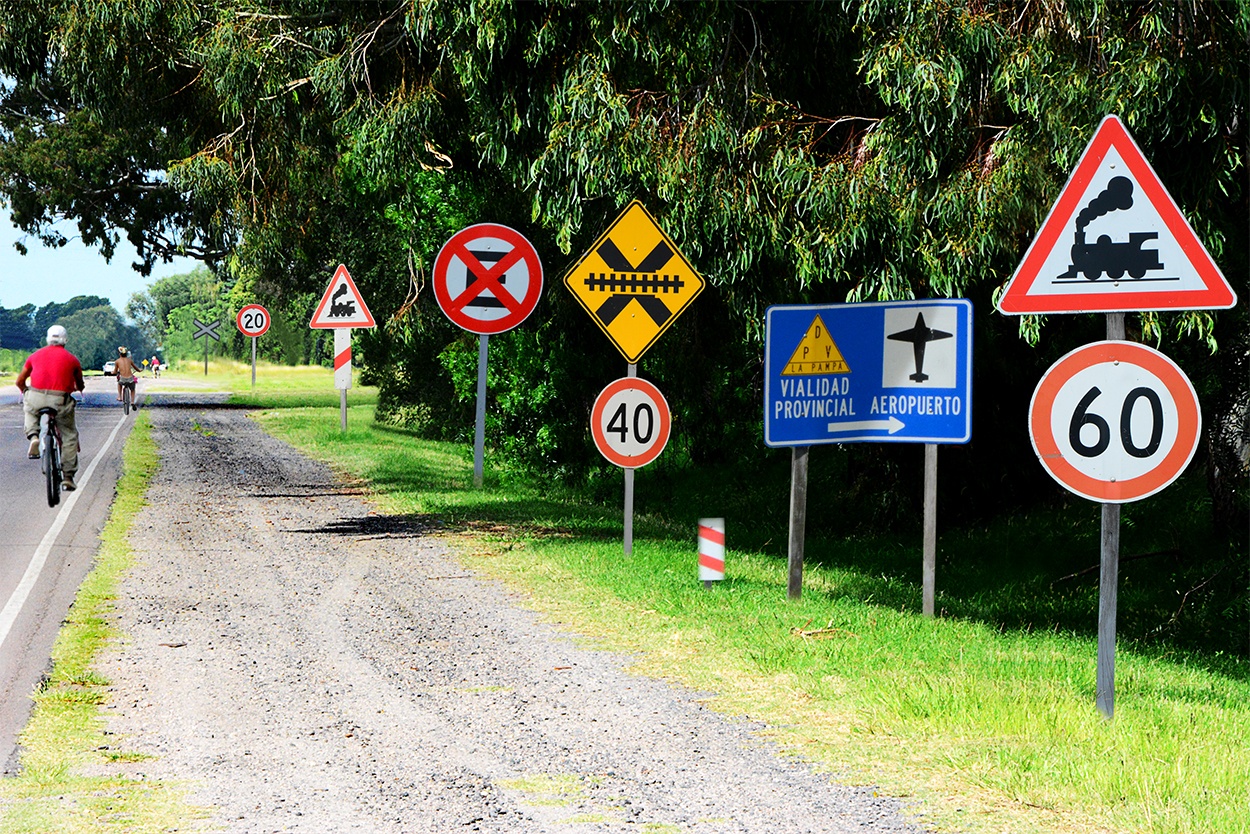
[[1115, 421], [487, 278], [630, 422], [253, 320]]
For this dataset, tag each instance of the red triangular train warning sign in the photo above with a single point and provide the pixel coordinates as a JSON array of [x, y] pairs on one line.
[[342, 304], [1115, 240]]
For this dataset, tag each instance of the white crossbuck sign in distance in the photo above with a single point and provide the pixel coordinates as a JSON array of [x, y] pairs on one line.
[[209, 330]]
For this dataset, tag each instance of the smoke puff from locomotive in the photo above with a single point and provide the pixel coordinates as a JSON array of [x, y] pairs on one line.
[[1117, 196]]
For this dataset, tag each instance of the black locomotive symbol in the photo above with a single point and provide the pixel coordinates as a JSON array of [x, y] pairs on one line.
[[1115, 259], [1105, 256], [347, 308]]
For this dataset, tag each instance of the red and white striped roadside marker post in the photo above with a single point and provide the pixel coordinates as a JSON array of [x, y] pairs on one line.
[[343, 370], [711, 550]]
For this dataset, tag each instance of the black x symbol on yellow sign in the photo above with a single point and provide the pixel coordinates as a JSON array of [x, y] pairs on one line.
[[634, 263], [640, 279]]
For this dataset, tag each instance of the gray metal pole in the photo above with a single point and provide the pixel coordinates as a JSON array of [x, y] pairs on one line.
[[798, 520], [1109, 580], [629, 512], [631, 371], [929, 572], [1108, 585], [479, 431], [343, 409], [253, 363]]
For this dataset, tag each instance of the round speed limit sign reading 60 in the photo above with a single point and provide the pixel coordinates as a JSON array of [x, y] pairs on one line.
[[1115, 421], [630, 422], [253, 320]]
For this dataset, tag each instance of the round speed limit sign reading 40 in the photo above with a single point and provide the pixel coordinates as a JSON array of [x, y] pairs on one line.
[[253, 320], [1115, 421], [630, 422]]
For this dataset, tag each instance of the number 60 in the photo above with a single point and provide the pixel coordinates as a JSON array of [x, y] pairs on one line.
[[1082, 418]]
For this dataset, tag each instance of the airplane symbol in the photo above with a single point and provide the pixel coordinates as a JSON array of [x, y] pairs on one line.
[[919, 335]]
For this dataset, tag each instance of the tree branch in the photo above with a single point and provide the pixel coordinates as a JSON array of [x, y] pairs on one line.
[[1123, 560]]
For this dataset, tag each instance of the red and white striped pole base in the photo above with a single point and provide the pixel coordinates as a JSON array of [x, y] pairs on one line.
[[343, 358], [343, 370], [711, 550]]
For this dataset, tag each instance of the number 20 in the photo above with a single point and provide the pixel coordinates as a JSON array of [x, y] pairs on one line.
[[1082, 417], [253, 319]]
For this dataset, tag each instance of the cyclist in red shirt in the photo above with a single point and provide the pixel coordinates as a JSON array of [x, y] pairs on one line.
[[54, 374]]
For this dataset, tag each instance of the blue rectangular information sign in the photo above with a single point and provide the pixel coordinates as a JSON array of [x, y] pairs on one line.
[[887, 372]]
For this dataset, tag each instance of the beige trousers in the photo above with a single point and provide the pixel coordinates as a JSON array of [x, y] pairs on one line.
[[36, 399]]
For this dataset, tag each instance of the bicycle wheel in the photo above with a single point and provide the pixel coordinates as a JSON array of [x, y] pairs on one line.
[[51, 467], [125, 398]]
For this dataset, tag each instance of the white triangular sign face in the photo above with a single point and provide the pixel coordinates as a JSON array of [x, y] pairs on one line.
[[341, 304], [1115, 241]]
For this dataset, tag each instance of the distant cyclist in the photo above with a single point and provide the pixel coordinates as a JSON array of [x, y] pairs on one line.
[[54, 374], [125, 369]]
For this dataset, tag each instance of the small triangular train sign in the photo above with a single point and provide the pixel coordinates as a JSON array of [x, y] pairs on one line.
[[1115, 241], [341, 304]]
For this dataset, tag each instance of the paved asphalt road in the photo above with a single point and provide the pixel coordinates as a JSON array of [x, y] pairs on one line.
[[45, 552]]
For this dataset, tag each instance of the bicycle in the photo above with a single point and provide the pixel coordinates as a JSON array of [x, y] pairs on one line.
[[128, 395], [50, 453]]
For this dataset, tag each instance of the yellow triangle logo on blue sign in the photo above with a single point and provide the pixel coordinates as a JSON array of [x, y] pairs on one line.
[[817, 354]]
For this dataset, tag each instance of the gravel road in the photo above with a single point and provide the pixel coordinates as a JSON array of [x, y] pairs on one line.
[[308, 665]]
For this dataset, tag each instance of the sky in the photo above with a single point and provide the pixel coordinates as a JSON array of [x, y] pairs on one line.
[[45, 275]]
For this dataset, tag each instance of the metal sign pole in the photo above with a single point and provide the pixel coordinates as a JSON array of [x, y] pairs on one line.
[[479, 434], [929, 572], [629, 512], [206, 357], [631, 371], [343, 370], [1109, 580], [798, 519], [253, 363]]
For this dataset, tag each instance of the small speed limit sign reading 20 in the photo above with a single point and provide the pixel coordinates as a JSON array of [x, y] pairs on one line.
[[253, 320], [1115, 421], [630, 422]]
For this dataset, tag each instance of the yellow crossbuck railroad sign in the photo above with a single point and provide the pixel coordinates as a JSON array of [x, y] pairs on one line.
[[634, 282]]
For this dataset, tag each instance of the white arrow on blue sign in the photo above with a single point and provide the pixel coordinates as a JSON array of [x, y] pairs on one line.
[[889, 372]]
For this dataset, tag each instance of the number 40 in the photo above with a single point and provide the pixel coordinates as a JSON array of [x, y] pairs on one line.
[[619, 425]]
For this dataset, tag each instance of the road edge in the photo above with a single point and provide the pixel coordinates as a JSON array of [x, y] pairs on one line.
[[65, 751]]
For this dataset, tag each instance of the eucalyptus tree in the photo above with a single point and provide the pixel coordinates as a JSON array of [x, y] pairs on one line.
[[867, 149]]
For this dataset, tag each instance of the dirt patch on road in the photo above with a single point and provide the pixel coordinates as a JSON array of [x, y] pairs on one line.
[[309, 665]]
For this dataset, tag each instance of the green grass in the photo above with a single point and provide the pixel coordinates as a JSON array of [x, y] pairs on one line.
[[985, 715], [277, 386], [547, 789], [65, 785]]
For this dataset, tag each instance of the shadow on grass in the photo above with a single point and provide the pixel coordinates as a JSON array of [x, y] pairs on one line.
[[1183, 583], [1027, 572], [378, 527], [310, 491]]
